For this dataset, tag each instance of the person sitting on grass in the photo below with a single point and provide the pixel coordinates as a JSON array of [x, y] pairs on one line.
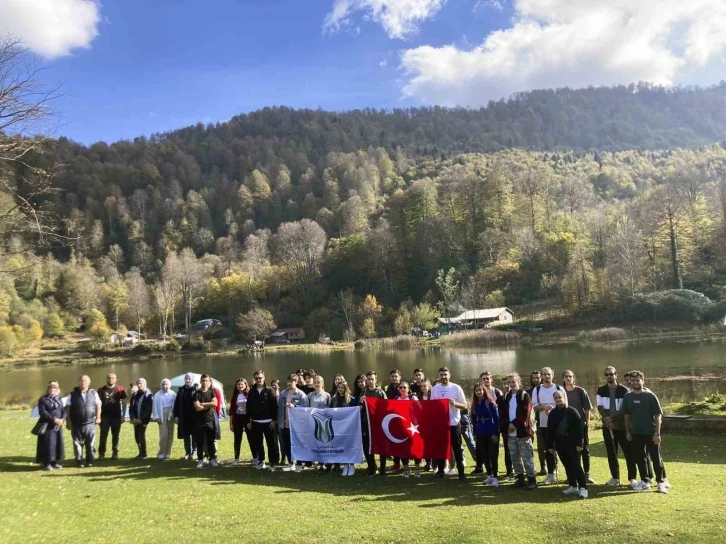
[[343, 399], [566, 438], [205, 401], [140, 410], [49, 452], [485, 422]]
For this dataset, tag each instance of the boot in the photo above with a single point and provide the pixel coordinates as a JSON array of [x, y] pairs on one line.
[[531, 483], [520, 481]]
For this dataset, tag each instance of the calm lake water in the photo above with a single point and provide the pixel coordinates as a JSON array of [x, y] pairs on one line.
[[674, 371]]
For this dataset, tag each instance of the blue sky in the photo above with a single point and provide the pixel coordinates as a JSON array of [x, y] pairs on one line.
[[133, 67]]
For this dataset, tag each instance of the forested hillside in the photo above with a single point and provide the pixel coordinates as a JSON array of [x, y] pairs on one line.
[[363, 222]]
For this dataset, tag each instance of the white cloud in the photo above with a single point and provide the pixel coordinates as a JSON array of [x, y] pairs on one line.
[[557, 43], [51, 28], [399, 18], [491, 4]]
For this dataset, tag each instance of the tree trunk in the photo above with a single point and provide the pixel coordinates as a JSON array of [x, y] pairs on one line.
[[677, 278]]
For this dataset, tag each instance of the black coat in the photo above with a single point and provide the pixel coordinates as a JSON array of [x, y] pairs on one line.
[[50, 445], [141, 406], [184, 411]]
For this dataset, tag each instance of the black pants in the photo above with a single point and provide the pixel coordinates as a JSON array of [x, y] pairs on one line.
[[140, 437], [642, 447], [240, 428], [586, 449], [507, 456], [541, 449], [370, 458], [487, 454], [455, 434], [550, 458], [260, 430], [572, 459], [615, 439], [114, 425], [206, 434]]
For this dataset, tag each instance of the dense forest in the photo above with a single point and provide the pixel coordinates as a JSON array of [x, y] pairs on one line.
[[368, 222]]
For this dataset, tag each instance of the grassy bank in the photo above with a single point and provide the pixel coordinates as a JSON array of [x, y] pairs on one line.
[[712, 406], [171, 501]]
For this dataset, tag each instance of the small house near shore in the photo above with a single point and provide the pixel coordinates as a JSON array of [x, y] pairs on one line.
[[477, 319], [282, 336]]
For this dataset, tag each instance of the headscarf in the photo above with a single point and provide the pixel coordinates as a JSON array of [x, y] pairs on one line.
[[142, 380], [191, 377], [165, 380], [47, 388]]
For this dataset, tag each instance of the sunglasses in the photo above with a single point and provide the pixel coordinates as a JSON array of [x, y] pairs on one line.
[[610, 374]]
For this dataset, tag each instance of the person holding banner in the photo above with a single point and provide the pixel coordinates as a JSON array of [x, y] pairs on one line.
[[343, 399], [371, 390], [485, 420], [320, 398], [289, 398], [452, 392]]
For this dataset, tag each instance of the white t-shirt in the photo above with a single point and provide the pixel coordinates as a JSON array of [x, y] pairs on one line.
[[513, 411], [451, 391], [546, 395]]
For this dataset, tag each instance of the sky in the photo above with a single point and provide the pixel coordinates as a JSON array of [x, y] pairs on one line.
[[135, 67]]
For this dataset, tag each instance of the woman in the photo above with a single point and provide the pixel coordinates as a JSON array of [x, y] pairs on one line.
[[49, 451], [140, 409], [568, 440], [485, 422], [338, 379], [359, 386], [184, 416], [425, 394], [403, 394], [238, 418], [320, 398], [163, 413], [343, 399]]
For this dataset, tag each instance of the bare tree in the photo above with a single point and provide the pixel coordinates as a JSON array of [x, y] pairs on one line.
[[139, 297], [255, 256], [300, 247], [191, 277]]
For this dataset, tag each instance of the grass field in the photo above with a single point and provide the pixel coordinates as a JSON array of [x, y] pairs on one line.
[[157, 502]]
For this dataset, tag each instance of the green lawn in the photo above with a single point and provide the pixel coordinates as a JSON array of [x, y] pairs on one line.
[[155, 501]]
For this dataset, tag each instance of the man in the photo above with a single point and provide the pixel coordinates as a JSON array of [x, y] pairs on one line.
[[578, 399], [290, 398], [83, 413], [262, 409], [371, 390], [112, 415], [515, 421], [543, 401], [309, 377], [392, 389], [445, 389], [418, 378], [642, 429], [205, 401], [626, 380], [610, 407], [535, 378]]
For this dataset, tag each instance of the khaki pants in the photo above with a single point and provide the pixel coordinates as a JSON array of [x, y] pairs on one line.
[[166, 433]]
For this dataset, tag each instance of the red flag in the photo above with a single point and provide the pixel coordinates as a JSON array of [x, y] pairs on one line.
[[409, 429]]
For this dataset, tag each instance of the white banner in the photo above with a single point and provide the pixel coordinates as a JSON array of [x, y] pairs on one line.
[[326, 435]]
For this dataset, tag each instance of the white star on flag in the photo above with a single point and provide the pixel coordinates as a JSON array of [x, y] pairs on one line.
[[413, 429]]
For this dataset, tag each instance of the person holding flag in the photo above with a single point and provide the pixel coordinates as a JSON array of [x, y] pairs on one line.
[[371, 390], [452, 392], [403, 394]]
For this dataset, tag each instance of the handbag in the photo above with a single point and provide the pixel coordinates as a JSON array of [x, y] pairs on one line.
[[40, 428]]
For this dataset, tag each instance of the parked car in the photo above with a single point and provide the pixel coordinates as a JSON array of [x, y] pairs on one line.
[[205, 324]]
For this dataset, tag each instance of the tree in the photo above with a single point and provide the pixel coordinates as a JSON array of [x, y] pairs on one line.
[[346, 305], [300, 247], [368, 328], [53, 326], [118, 300], [258, 323], [139, 297], [8, 341], [448, 286], [190, 275], [96, 326]]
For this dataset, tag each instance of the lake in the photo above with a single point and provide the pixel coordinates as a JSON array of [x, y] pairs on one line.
[[675, 371]]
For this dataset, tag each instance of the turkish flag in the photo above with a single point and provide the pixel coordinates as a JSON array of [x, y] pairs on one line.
[[410, 429]]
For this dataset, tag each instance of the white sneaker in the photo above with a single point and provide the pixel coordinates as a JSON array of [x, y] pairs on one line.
[[634, 483], [288, 467], [451, 472], [351, 470], [345, 470], [200, 464], [235, 462], [583, 493], [487, 480], [667, 483], [167, 457], [272, 468], [160, 456], [260, 466], [589, 478], [613, 481], [570, 491], [494, 482], [298, 468], [550, 479], [642, 486], [662, 488], [213, 463]]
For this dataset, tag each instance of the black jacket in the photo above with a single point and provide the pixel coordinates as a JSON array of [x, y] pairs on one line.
[[141, 406], [262, 405], [566, 423]]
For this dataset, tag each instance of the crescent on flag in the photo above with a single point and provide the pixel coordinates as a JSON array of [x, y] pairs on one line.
[[384, 425]]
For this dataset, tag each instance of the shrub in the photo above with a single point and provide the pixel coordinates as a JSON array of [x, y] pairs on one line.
[[54, 326], [679, 304], [20, 337], [606, 334], [8, 341], [173, 345], [33, 331]]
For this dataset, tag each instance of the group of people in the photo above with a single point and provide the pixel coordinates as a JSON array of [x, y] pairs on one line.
[[556, 416]]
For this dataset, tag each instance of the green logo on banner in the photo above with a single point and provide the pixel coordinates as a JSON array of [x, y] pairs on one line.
[[323, 427]]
